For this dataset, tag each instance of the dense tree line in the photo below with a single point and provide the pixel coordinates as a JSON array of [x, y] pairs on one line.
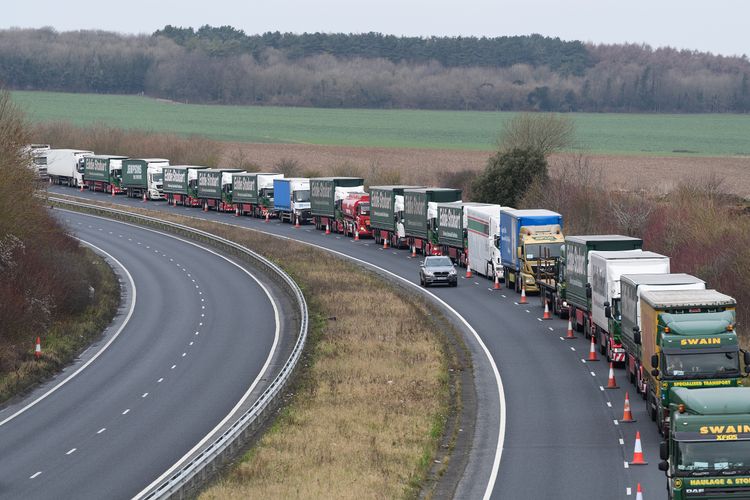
[[223, 65]]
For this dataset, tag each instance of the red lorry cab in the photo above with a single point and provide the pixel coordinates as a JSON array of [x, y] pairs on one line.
[[356, 211]]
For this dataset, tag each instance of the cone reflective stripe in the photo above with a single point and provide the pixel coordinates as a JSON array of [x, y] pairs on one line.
[[546, 314], [496, 286], [569, 335], [38, 348], [523, 293], [638, 492], [638, 451], [468, 270], [611, 383], [592, 350], [627, 415]]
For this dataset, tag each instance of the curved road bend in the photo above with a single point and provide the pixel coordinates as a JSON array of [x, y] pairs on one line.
[[200, 334], [561, 439]]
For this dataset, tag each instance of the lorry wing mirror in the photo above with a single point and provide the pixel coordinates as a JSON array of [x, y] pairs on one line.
[[518, 253], [588, 290], [664, 450], [655, 360], [636, 335], [664, 466], [655, 372], [607, 310]]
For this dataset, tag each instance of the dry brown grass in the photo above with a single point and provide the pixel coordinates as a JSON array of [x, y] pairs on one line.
[[370, 406], [429, 166]]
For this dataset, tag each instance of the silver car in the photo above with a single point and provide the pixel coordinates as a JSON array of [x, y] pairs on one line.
[[437, 269]]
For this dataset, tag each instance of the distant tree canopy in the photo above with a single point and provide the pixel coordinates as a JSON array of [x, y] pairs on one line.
[[373, 70], [534, 50]]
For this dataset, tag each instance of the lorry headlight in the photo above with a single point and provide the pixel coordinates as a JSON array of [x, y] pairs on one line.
[[452, 272], [529, 280]]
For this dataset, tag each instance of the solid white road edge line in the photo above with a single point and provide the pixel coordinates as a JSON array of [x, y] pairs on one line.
[[95, 356]]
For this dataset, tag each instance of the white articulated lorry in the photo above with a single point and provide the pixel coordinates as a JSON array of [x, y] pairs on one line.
[[65, 166]]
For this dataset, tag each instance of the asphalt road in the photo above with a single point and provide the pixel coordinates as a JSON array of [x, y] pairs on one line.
[[200, 333], [561, 438]]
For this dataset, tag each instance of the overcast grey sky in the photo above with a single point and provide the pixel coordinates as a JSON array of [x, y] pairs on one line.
[[718, 26]]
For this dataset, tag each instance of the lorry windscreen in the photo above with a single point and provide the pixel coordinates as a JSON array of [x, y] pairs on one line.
[[542, 250], [702, 456], [703, 365], [302, 196]]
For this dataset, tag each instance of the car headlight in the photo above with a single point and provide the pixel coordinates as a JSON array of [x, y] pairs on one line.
[[427, 273], [452, 272]]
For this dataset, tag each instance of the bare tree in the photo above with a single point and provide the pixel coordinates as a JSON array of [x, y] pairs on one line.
[[543, 132]]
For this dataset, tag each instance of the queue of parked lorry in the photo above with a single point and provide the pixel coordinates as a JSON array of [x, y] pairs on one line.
[[674, 336]]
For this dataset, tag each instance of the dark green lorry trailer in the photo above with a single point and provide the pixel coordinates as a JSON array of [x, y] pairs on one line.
[[103, 173], [252, 192], [387, 214], [215, 188], [420, 217], [144, 177], [181, 184], [326, 194]]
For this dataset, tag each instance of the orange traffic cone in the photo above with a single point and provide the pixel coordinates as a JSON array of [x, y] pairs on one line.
[[569, 335], [546, 314], [414, 250], [328, 229], [38, 348], [611, 383], [268, 217], [112, 188], [205, 206], [496, 286], [82, 187], [237, 211], [592, 351], [638, 451], [356, 234], [627, 415], [296, 223], [523, 294], [144, 198], [468, 271], [638, 492], [385, 243]]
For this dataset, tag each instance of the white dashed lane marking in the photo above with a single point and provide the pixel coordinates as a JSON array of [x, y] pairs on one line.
[[126, 411], [71, 451], [101, 430], [36, 474]]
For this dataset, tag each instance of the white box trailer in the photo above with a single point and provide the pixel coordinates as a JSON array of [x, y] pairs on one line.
[[606, 269], [483, 236], [65, 166], [604, 273]]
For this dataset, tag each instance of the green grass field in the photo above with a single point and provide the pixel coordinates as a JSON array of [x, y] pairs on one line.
[[633, 134]]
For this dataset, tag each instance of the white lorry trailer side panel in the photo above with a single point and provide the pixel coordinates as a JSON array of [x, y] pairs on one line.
[[605, 270], [482, 225]]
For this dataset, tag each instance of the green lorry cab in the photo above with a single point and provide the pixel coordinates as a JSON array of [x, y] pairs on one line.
[[707, 452], [685, 338]]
